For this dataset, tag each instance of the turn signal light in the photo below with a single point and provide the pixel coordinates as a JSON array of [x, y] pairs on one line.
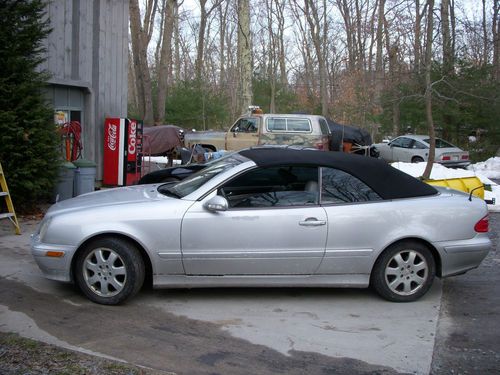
[[482, 225], [55, 254]]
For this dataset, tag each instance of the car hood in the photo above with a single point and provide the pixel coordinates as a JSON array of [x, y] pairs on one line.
[[108, 197]]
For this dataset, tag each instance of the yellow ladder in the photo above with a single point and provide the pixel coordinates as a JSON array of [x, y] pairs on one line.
[[11, 215]]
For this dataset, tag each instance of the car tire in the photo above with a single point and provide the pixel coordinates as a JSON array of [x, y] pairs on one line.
[[109, 270], [404, 272], [417, 159]]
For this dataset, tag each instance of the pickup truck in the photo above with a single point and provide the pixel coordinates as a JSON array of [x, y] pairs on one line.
[[260, 129]]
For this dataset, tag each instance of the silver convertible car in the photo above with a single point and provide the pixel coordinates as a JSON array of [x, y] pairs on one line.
[[266, 217]]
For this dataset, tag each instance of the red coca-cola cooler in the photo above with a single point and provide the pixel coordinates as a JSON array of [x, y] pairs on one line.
[[122, 151]]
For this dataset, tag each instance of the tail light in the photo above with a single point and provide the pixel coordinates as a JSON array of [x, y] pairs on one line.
[[445, 157], [482, 225], [319, 146], [465, 157]]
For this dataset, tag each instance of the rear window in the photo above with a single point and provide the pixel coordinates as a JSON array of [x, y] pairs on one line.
[[298, 125], [440, 143]]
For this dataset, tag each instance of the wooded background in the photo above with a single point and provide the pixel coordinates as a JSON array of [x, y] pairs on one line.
[[384, 65]]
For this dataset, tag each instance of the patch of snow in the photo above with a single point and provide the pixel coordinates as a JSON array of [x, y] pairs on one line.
[[489, 168], [482, 170]]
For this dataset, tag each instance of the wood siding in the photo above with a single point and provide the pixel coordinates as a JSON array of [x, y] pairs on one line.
[[88, 49]]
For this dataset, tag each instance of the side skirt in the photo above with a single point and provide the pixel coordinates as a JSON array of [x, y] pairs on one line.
[[336, 281]]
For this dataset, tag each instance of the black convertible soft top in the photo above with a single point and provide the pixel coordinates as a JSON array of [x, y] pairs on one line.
[[387, 181]]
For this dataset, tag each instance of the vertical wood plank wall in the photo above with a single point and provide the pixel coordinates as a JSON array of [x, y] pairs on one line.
[[88, 50]]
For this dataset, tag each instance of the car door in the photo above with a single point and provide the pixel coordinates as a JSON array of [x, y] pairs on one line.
[[402, 149], [274, 226], [244, 133], [355, 224]]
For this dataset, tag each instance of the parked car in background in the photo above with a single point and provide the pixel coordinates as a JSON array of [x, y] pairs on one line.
[[266, 129], [415, 148], [266, 217]]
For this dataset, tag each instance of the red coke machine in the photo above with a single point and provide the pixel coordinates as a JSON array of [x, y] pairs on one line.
[[122, 151]]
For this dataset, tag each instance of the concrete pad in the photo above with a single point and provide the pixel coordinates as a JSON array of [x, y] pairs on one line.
[[338, 323]]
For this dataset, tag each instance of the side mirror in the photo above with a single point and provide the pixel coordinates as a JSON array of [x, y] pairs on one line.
[[216, 204]]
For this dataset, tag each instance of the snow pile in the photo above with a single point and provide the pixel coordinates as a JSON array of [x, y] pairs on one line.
[[489, 168], [483, 170]]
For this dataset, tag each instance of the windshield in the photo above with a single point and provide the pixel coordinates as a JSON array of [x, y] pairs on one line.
[[193, 182], [440, 143]]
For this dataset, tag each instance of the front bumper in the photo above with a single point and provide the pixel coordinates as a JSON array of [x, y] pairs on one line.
[[458, 257], [53, 268]]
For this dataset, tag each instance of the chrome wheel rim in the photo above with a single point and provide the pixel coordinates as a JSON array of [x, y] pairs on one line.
[[104, 272], [406, 272]]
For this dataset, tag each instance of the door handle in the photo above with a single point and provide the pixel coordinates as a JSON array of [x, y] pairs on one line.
[[312, 222]]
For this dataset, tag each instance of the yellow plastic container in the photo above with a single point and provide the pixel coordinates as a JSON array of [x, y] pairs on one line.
[[466, 184]]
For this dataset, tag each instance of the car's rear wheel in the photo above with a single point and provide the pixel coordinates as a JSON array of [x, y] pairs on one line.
[[109, 270], [404, 272], [417, 159]]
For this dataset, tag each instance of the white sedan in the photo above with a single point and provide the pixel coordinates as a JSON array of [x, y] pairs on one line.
[[415, 149]]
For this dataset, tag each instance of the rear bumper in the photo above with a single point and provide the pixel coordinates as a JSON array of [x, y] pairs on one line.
[[53, 268], [461, 256], [455, 164]]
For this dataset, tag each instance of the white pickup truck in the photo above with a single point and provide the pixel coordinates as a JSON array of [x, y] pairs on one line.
[[272, 129]]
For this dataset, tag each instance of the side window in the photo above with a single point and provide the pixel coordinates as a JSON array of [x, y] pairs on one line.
[[402, 142], [245, 125], [419, 145], [284, 186], [325, 130], [300, 125], [276, 124], [341, 187]]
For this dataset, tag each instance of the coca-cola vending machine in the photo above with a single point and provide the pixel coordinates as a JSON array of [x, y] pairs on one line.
[[122, 151]]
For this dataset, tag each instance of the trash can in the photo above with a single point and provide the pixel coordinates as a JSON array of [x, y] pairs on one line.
[[84, 176], [64, 187]]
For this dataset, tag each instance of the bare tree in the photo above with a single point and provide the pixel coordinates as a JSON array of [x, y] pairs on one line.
[[245, 54], [318, 30], [448, 53], [165, 64], [428, 89], [140, 38], [204, 15], [496, 39]]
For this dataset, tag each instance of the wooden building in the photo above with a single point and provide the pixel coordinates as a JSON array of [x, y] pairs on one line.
[[87, 57]]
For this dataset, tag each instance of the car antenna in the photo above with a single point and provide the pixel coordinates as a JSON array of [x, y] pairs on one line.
[[473, 190]]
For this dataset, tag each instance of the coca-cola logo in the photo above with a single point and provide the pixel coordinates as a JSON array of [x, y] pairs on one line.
[[112, 133], [132, 138]]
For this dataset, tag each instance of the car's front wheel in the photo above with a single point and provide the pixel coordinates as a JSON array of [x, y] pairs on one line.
[[404, 272], [109, 270]]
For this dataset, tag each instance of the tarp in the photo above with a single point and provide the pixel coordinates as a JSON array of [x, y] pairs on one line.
[[347, 133], [161, 139]]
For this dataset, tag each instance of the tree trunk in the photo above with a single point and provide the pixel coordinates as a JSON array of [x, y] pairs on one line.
[[379, 66], [201, 40], [139, 51], [496, 39], [417, 41], [312, 16], [165, 60], [448, 63], [428, 90], [245, 54]]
